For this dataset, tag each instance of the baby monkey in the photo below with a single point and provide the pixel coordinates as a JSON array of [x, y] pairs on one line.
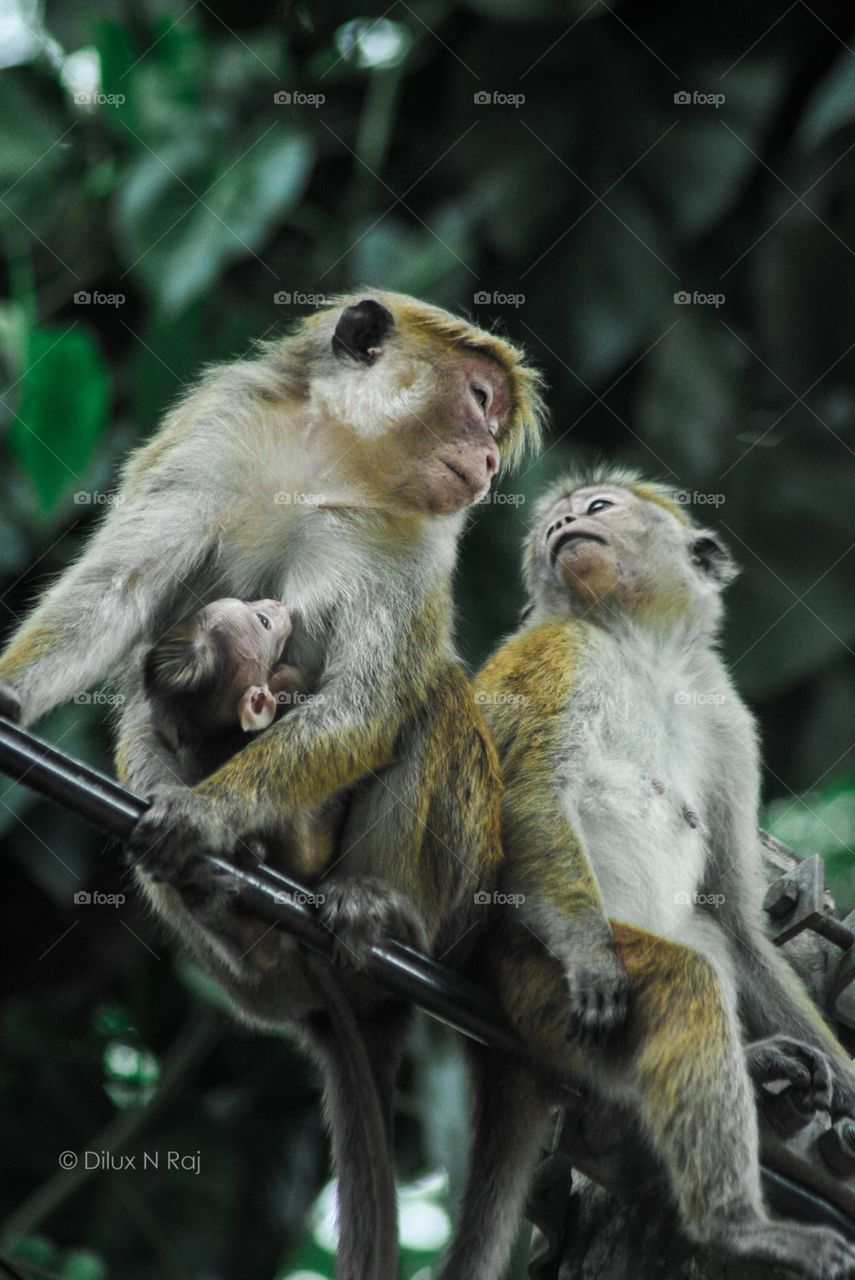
[[217, 677]]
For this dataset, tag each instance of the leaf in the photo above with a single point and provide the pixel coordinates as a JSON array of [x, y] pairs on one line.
[[62, 411], [832, 107], [180, 227], [37, 130], [688, 406]]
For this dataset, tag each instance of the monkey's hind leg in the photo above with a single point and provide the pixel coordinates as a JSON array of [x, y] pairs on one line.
[[697, 1103]]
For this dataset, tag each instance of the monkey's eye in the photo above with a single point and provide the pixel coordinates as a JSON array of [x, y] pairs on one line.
[[264, 620], [481, 396], [599, 504]]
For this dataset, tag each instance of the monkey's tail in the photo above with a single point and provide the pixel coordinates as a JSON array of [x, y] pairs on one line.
[[359, 1119]]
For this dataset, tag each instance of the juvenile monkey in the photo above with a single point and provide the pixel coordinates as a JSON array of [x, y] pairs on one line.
[[637, 963], [333, 471]]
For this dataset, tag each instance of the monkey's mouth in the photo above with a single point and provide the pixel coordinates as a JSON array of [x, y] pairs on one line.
[[465, 477], [570, 535]]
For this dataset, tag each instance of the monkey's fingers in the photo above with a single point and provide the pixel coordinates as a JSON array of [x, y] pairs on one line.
[[598, 1008]]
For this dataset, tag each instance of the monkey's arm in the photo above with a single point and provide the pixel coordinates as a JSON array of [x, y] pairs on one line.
[[373, 678], [524, 692], [142, 556]]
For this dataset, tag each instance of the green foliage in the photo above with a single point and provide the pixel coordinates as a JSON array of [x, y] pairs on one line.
[[233, 161]]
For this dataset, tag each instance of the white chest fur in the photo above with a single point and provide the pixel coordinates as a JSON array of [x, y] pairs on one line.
[[637, 746]]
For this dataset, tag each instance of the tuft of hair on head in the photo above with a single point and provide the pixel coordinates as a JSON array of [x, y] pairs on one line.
[[186, 661], [523, 428]]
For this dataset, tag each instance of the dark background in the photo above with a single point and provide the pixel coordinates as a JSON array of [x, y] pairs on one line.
[[146, 236]]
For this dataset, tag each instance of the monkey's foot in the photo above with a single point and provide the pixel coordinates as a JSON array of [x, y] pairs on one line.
[[10, 703], [817, 1253], [792, 1081], [599, 998], [362, 913]]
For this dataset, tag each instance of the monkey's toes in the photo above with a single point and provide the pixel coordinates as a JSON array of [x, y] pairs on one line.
[[783, 1065], [361, 914]]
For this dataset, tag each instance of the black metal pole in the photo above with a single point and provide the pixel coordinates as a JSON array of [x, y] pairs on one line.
[[274, 897], [445, 995]]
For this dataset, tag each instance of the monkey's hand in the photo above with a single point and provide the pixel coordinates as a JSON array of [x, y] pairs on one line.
[[169, 840], [599, 995], [360, 913], [10, 703], [791, 1079]]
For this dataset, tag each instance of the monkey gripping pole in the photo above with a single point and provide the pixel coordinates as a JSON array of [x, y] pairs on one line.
[[407, 973]]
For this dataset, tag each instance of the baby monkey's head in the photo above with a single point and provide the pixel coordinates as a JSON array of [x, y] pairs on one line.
[[613, 547], [213, 670]]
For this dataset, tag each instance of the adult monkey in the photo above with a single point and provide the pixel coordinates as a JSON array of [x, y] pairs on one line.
[[333, 471], [637, 960]]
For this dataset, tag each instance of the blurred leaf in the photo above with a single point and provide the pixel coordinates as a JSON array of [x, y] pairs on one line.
[[38, 129], [688, 405], [698, 172], [832, 106], [62, 413], [180, 225]]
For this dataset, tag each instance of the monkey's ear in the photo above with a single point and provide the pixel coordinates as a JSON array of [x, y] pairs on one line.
[[361, 330], [256, 709], [712, 559]]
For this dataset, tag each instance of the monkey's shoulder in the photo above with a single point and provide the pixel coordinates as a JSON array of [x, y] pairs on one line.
[[536, 664]]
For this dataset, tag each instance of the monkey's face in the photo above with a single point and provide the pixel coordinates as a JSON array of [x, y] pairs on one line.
[[607, 548], [420, 413], [443, 457]]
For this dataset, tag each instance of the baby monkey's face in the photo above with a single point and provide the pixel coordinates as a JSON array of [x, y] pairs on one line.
[[252, 635]]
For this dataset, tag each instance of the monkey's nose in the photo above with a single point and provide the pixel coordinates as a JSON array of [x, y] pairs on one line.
[[559, 524], [492, 461]]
